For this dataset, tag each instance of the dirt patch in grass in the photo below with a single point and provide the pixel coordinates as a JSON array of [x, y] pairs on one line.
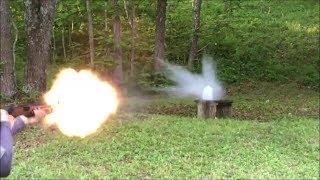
[[178, 110]]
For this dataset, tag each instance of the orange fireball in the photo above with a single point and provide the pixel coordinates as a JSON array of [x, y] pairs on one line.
[[80, 102]]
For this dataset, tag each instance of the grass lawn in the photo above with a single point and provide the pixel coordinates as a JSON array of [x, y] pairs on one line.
[[169, 146], [284, 144]]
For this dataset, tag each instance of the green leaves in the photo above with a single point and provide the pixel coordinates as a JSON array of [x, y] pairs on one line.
[[254, 40]]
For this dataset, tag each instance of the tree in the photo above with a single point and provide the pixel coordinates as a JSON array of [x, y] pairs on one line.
[[39, 21], [196, 30], [7, 75], [63, 43], [118, 72], [131, 15], [106, 27], [160, 33], [90, 30]]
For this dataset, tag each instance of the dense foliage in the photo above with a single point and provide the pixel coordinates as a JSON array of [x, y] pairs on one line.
[[265, 40]]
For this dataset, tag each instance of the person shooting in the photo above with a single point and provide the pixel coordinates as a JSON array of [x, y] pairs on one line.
[[11, 125]]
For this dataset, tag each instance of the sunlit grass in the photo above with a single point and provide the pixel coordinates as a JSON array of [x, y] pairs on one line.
[[284, 145], [175, 147], [251, 101]]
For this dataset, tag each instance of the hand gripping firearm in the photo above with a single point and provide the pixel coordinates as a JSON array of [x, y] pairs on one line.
[[26, 110]]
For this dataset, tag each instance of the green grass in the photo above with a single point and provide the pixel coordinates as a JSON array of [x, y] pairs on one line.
[[267, 138], [169, 146], [251, 101]]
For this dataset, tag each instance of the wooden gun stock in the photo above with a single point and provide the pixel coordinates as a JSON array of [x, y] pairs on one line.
[[26, 110]]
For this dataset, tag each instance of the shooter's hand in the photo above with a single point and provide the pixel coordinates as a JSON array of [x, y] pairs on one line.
[[5, 117], [39, 114]]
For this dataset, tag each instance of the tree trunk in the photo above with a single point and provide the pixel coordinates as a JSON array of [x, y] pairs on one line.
[[160, 33], [131, 15], [106, 28], [16, 36], [90, 30], [118, 73], [207, 109], [63, 44], [7, 76], [53, 47], [69, 35], [70, 39], [39, 20], [196, 29]]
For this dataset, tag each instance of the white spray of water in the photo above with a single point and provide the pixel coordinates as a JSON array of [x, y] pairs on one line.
[[207, 93], [203, 86]]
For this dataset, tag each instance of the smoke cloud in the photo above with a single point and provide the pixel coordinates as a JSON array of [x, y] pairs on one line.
[[202, 86]]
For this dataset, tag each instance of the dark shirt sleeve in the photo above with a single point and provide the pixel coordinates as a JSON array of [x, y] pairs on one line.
[[6, 145], [17, 126]]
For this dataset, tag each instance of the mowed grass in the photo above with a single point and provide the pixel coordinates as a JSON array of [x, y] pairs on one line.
[[251, 101], [274, 133], [159, 146]]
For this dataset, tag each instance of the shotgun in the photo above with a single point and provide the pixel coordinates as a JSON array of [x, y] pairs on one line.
[[26, 110]]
